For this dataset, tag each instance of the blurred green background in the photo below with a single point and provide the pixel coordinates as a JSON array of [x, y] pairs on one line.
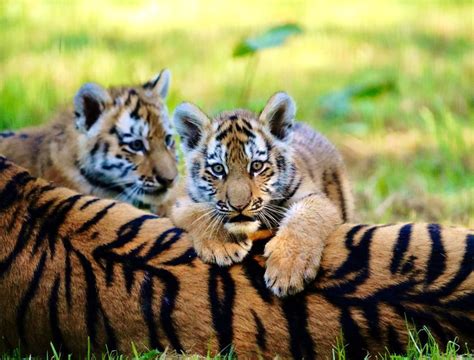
[[390, 82]]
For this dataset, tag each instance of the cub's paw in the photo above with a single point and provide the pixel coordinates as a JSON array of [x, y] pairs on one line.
[[288, 266], [224, 253]]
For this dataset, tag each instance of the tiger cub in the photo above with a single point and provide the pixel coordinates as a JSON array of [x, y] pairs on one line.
[[246, 172], [118, 143]]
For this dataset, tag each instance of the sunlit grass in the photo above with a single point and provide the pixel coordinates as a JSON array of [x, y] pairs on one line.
[[421, 345], [408, 149]]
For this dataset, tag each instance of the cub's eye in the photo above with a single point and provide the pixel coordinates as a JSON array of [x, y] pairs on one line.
[[256, 166], [218, 169], [169, 141], [136, 145]]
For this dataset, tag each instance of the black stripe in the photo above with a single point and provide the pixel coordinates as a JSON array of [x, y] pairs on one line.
[[222, 307], [91, 299], [26, 299], [465, 269], [168, 302], [111, 342], [359, 255], [221, 136], [146, 304], [463, 326], [94, 149], [89, 203], [67, 277], [340, 193], [134, 114], [295, 189], [95, 181], [111, 166], [260, 331], [255, 274], [25, 233], [126, 233], [129, 276], [58, 340], [128, 267], [244, 130], [164, 242], [11, 193], [437, 261], [186, 258], [105, 149], [400, 247], [99, 216], [296, 314], [394, 344], [49, 229], [355, 343], [4, 164]]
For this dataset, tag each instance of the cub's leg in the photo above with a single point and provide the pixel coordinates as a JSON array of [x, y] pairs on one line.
[[212, 242], [294, 254]]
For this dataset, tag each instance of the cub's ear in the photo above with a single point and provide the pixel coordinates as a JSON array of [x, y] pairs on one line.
[[279, 115], [89, 103], [159, 85], [191, 124]]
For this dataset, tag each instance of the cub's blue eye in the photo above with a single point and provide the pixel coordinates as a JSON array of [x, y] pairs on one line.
[[169, 141], [218, 169], [256, 166], [136, 145]]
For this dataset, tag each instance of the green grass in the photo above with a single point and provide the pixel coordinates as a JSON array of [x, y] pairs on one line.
[[408, 147], [416, 349]]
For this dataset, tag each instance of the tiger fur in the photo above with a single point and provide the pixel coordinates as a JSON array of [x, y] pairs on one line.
[[246, 171], [74, 267], [118, 143]]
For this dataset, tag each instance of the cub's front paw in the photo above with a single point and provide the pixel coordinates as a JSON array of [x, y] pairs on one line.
[[223, 253], [289, 264]]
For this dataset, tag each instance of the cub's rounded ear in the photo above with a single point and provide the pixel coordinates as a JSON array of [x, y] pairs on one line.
[[191, 124], [159, 85], [89, 103], [279, 115]]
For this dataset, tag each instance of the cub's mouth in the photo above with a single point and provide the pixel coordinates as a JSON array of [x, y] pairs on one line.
[[153, 190], [242, 224], [240, 219]]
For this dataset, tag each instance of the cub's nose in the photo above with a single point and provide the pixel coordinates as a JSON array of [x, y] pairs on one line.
[[165, 182]]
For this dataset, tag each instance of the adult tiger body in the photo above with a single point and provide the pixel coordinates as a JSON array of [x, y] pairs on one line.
[[117, 143], [74, 266]]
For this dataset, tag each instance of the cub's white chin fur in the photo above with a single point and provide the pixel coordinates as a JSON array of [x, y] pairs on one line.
[[246, 227]]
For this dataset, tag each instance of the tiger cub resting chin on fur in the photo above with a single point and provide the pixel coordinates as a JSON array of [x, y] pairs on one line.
[[118, 143], [247, 172]]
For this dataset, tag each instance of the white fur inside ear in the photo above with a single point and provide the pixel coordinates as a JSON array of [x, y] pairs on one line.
[[159, 85], [279, 114], [191, 124]]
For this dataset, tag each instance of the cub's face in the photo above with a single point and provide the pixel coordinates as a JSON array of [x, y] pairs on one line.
[[239, 162], [126, 145]]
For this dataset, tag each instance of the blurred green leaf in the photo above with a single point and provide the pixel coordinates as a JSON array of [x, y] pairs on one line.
[[273, 37], [338, 103]]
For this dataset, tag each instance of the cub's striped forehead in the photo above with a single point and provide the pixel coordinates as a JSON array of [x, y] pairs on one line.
[[140, 115], [237, 136]]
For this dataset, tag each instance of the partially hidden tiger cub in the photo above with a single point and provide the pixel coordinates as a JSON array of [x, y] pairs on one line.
[[246, 172], [117, 143]]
